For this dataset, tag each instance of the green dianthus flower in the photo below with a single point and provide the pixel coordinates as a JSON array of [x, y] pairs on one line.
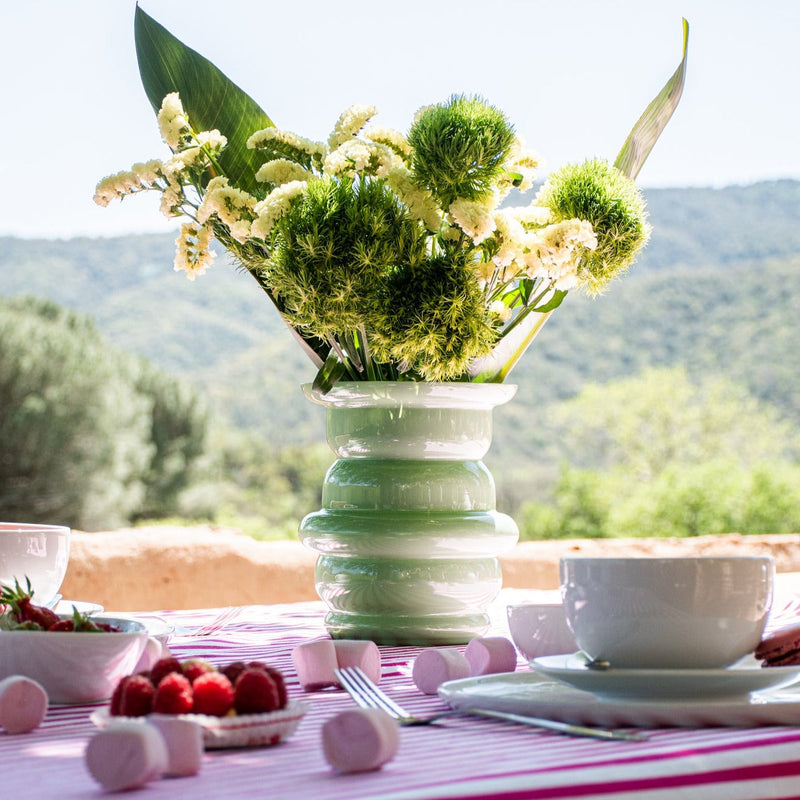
[[459, 149], [433, 319], [599, 193]]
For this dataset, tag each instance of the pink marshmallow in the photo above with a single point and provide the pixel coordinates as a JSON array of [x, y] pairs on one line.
[[435, 666], [184, 740], [23, 704], [126, 755], [315, 663], [360, 739], [491, 654], [359, 653]]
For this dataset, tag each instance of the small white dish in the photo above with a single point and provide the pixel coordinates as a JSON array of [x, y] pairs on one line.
[[247, 730], [536, 695], [742, 678], [66, 607]]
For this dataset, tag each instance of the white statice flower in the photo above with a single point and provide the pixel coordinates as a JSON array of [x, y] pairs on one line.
[[475, 217], [419, 201], [171, 201], [277, 203], [419, 113], [554, 251], [531, 216], [230, 205], [212, 141], [280, 171], [511, 238], [359, 156], [523, 162], [193, 253], [139, 177], [274, 138], [391, 138], [351, 121], [501, 310], [172, 121]]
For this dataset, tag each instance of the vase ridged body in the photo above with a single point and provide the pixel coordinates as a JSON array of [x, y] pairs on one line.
[[408, 535]]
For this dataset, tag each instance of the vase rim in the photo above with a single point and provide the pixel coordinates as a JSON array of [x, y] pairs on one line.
[[456, 394]]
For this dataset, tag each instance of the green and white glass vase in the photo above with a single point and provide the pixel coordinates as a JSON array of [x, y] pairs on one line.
[[408, 536]]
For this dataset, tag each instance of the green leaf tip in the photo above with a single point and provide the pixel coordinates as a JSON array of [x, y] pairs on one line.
[[210, 99], [648, 128]]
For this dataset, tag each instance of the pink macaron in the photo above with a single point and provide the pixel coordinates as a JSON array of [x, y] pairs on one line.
[[781, 648]]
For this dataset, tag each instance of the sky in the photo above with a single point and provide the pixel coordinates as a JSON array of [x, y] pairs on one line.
[[572, 75]]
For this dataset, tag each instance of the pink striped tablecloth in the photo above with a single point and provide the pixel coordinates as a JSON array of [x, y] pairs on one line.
[[469, 758]]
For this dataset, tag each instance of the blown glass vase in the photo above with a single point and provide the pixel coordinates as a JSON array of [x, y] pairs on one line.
[[408, 537]]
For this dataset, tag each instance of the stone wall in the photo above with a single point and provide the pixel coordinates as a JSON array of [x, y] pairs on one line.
[[159, 568]]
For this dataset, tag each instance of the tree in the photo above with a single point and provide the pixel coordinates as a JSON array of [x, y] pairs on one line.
[[78, 422]]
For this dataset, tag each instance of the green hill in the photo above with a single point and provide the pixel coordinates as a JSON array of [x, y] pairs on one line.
[[715, 291]]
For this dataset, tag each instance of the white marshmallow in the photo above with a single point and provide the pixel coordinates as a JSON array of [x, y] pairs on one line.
[[434, 666], [184, 740], [491, 654], [315, 663], [360, 739], [359, 653], [126, 755], [23, 704]]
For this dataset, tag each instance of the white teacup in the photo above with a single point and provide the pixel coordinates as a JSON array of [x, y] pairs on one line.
[[540, 629], [667, 613], [37, 552]]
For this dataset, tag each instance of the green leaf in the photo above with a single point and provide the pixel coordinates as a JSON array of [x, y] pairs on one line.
[[331, 371], [646, 131], [210, 99], [499, 363]]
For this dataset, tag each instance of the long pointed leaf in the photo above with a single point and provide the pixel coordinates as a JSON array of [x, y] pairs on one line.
[[648, 128], [499, 363], [210, 99]]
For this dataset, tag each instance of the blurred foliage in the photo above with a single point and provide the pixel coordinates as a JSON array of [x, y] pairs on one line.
[[91, 437], [657, 455], [714, 293]]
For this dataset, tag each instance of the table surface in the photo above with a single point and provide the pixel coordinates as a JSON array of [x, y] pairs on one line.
[[473, 758]]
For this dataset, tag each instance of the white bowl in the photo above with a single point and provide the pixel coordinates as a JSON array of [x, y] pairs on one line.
[[540, 629], [74, 667], [667, 613], [37, 552]]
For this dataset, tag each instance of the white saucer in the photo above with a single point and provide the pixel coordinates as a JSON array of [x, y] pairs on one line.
[[66, 606], [536, 695], [742, 678]]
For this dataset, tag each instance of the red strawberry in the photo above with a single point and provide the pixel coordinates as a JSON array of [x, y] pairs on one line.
[[280, 685], [234, 670], [174, 695], [20, 601], [193, 668], [136, 697], [163, 667], [62, 625], [255, 692], [213, 694]]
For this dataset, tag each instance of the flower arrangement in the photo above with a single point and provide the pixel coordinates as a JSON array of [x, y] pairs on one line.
[[391, 256]]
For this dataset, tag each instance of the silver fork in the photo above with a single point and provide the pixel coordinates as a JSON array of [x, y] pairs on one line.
[[367, 695]]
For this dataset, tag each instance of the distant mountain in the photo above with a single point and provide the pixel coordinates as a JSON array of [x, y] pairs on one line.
[[716, 290]]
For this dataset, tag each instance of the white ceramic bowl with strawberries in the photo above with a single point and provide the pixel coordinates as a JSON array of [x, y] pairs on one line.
[[74, 666], [39, 553]]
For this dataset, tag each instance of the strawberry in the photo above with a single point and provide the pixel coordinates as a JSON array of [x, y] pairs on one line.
[[213, 694], [163, 667], [255, 692], [135, 699], [62, 625], [173, 695], [193, 668], [280, 685], [20, 601], [234, 670]]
